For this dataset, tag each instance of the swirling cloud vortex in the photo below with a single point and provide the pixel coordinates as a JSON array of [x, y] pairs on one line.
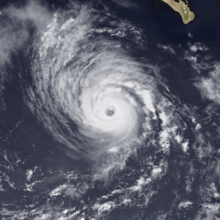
[[88, 92]]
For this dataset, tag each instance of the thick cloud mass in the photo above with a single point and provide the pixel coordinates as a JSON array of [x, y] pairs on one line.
[[89, 92], [78, 76]]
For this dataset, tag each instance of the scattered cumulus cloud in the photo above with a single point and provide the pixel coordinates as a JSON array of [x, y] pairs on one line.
[[208, 211], [190, 35], [184, 204], [104, 207], [185, 146], [198, 47], [210, 86], [198, 127], [197, 62], [167, 48]]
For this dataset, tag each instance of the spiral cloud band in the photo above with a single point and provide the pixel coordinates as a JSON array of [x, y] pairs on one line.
[[103, 115], [88, 92]]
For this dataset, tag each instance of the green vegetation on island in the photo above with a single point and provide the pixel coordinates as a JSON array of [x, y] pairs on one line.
[[182, 8]]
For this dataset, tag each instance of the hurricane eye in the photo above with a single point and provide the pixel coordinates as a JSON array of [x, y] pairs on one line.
[[110, 111]]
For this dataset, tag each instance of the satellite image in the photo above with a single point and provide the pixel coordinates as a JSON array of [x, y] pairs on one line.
[[110, 110]]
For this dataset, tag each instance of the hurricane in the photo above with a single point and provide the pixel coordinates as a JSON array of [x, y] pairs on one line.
[[88, 92], [107, 111]]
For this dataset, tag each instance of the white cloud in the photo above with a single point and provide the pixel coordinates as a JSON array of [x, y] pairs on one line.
[[165, 118], [104, 207], [190, 35], [165, 139], [167, 48], [185, 146], [210, 86], [29, 174], [208, 211], [198, 47], [184, 204], [14, 26], [156, 172], [126, 4], [140, 183], [178, 138], [197, 63], [198, 127]]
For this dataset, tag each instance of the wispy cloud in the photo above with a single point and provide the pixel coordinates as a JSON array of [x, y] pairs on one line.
[[15, 23]]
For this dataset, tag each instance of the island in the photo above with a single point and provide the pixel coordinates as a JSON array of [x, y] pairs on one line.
[[182, 8]]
